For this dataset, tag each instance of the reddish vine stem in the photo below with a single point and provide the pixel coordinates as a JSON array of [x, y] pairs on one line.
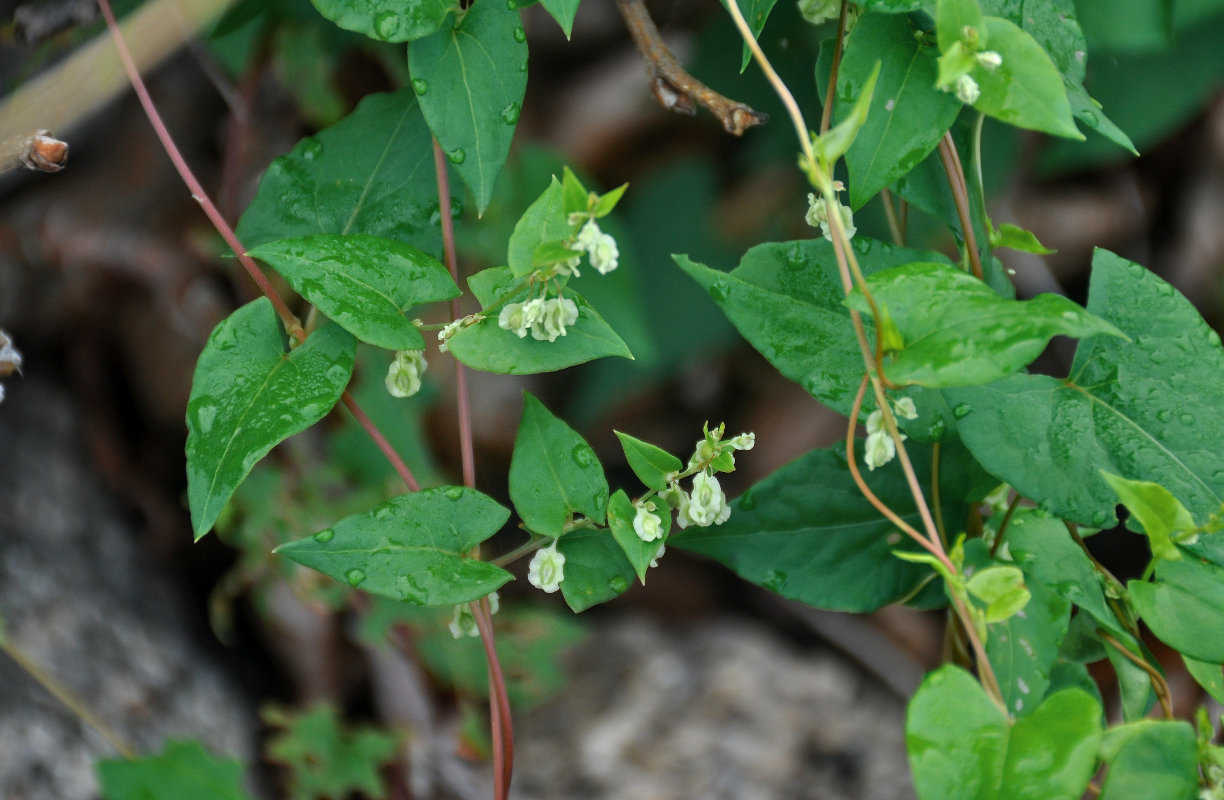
[[499, 705], [292, 325], [826, 114], [960, 196], [1159, 684]]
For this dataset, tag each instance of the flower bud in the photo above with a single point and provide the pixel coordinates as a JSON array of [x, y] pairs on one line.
[[547, 569], [967, 90], [600, 247], [646, 525], [707, 505], [404, 375]]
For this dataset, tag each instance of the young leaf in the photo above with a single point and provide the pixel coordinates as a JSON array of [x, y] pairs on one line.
[[621, 513], [388, 20], [786, 300], [563, 11], [952, 17], [248, 395], [325, 757], [833, 144], [543, 221], [181, 770], [1052, 751], [1184, 602], [596, 569], [554, 474], [652, 465], [1026, 90], [1157, 510], [1017, 238], [827, 548], [1048, 437], [363, 283], [372, 172], [412, 548], [908, 114], [474, 74], [958, 332], [1157, 760]]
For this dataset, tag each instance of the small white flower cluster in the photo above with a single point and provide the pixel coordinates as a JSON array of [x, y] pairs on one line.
[[967, 90], [464, 622], [646, 524], [547, 569], [600, 248], [545, 319], [818, 217], [819, 11], [706, 504], [404, 375], [880, 447]]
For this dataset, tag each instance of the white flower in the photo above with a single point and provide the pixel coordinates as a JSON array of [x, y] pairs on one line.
[[967, 90], [818, 216], [547, 569], [879, 450], [905, 408], [683, 520], [568, 267], [464, 622], [552, 318], [512, 318], [707, 504], [745, 441], [447, 332], [404, 375], [654, 562], [646, 525], [818, 11], [989, 59], [600, 247]]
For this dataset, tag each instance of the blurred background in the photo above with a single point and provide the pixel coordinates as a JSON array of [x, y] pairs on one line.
[[696, 684]]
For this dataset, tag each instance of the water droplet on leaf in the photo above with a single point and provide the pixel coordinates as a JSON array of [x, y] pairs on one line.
[[456, 156], [520, 35], [454, 492], [583, 455], [617, 583], [962, 410], [386, 25], [420, 86], [510, 114], [355, 576], [325, 535], [774, 580]]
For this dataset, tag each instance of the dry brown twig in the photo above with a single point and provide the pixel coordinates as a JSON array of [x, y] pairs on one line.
[[39, 151], [674, 88]]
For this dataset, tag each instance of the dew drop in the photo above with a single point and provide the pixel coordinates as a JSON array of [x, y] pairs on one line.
[[386, 25], [520, 35], [311, 149], [456, 156], [774, 580], [383, 513], [355, 576], [719, 290], [325, 535], [1099, 518], [420, 86], [1187, 419], [523, 66], [582, 455], [962, 410], [510, 114], [454, 492], [617, 583], [1090, 119]]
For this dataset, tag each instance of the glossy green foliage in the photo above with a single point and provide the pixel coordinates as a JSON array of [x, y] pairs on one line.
[[1209, 676], [653, 466], [962, 746], [248, 395], [829, 547], [621, 513], [372, 172], [1026, 90], [1150, 759], [488, 347], [1146, 409], [1182, 605], [555, 476], [388, 20], [470, 78], [787, 300], [364, 283], [1156, 510], [958, 332], [325, 757], [413, 547], [908, 115], [755, 13], [530, 645], [182, 770], [543, 222], [596, 569], [563, 11]]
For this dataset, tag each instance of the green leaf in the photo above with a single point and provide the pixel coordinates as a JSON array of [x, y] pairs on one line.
[[652, 465], [958, 332], [1157, 510], [325, 757], [555, 476], [248, 395], [1209, 676], [487, 347], [1023, 648], [1134, 683], [951, 19], [956, 738], [388, 20], [182, 770], [828, 547], [563, 11], [413, 547], [471, 76], [1185, 601], [786, 299], [543, 221], [1026, 90], [755, 13], [621, 513], [596, 569], [363, 283], [1159, 761], [1001, 587], [1145, 409], [1018, 238], [908, 114], [833, 143], [372, 172], [1051, 753]]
